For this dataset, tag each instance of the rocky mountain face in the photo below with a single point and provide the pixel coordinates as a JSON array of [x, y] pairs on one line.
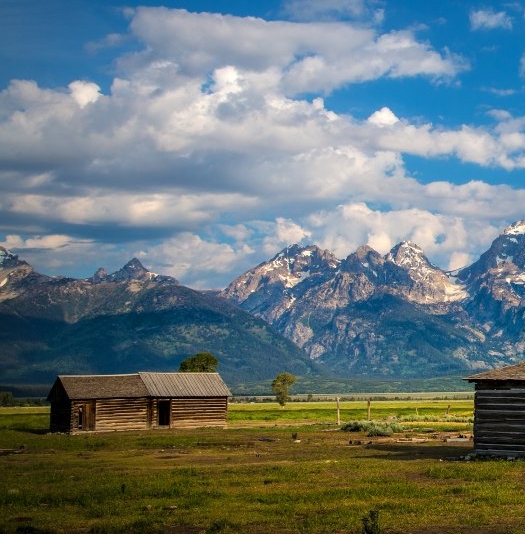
[[127, 321], [392, 317], [395, 315]]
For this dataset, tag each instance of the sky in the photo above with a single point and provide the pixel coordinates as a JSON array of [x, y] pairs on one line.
[[204, 137]]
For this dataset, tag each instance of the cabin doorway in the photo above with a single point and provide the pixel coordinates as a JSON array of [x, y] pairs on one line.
[[86, 416], [164, 409]]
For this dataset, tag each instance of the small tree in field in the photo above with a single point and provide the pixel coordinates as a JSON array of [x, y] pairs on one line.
[[204, 362], [280, 386]]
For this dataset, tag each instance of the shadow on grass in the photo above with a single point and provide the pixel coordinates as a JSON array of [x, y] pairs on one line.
[[417, 451], [27, 430]]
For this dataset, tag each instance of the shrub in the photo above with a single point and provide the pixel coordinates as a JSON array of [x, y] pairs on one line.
[[373, 428], [371, 523]]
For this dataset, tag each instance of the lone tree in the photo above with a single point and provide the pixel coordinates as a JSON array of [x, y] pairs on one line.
[[280, 386], [204, 362]]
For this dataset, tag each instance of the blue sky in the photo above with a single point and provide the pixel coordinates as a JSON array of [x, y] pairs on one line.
[[203, 137]]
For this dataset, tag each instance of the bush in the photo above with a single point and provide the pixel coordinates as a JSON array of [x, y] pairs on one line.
[[373, 428]]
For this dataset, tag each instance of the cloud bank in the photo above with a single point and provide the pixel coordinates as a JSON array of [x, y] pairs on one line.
[[208, 155]]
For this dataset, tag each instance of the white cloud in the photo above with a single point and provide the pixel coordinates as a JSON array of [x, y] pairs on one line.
[[285, 232], [84, 93], [212, 149], [488, 20], [332, 10], [300, 57], [188, 256], [383, 117], [445, 238], [39, 242]]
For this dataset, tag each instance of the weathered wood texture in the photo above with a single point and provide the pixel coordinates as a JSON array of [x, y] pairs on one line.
[[499, 422], [192, 412], [111, 414], [198, 412], [137, 402]]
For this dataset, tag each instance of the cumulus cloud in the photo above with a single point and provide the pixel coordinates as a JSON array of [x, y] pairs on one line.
[[293, 57], [487, 19], [206, 157], [84, 93], [383, 117]]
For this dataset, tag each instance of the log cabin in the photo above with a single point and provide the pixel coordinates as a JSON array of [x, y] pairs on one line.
[[141, 401], [499, 412]]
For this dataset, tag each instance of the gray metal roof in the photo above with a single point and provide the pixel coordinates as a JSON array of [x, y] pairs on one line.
[[185, 385], [510, 372], [143, 384]]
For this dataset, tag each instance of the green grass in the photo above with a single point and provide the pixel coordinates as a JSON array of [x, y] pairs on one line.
[[273, 470], [326, 412]]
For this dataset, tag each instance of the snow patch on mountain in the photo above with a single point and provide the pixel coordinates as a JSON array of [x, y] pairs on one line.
[[517, 228], [6, 256]]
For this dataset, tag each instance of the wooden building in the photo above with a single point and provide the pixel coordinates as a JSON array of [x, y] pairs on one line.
[[141, 401], [499, 411]]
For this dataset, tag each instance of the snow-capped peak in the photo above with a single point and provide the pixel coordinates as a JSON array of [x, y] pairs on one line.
[[517, 228], [405, 253], [5, 255], [8, 259]]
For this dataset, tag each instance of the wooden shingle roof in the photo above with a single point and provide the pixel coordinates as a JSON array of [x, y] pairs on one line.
[[79, 387], [508, 373], [144, 384]]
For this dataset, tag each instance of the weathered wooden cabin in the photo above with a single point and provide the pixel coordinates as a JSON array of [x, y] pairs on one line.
[[499, 411], [100, 403]]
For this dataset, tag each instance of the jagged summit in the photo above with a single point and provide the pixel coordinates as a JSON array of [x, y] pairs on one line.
[[133, 270], [289, 269], [8, 259], [517, 228], [408, 254], [373, 315]]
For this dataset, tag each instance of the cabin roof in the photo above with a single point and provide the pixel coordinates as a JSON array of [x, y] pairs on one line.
[[508, 373], [144, 384], [185, 385]]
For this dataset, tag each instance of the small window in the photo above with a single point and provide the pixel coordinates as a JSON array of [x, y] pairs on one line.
[[164, 413]]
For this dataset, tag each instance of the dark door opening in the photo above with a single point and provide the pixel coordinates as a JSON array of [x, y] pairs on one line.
[[86, 416], [164, 413]]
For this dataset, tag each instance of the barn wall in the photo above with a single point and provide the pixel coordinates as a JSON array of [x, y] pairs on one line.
[[499, 422], [111, 414], [60, 417], [122, 414], [192, 412], [195, 412], [105, 415]]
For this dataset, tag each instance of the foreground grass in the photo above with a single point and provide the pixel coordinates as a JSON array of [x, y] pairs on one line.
[[290, 470]]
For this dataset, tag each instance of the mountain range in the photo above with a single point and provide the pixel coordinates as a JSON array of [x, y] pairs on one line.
[[369, 316], [124, 322], [394, 315]]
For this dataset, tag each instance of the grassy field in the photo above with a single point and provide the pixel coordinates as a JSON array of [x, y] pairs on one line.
[[273, 470]]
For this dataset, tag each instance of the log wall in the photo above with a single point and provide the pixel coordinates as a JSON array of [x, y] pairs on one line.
[[193, 412], [113, 414], [138, 414], [499, 422], [210, 411]]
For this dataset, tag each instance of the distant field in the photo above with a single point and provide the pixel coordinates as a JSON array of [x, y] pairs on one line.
[[272, 471], [326, 412]]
